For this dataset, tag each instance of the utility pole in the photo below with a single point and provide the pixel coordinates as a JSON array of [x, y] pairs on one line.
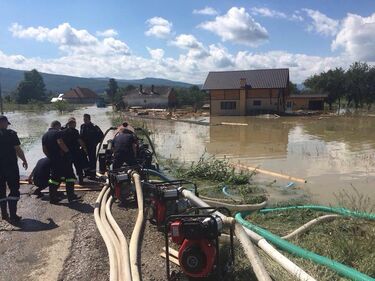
[[1, 101]]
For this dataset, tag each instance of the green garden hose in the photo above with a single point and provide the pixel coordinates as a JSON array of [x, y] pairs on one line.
[[341, 269]]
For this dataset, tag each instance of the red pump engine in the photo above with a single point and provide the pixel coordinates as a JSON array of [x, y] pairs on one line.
[[197, 236], [165, 200]]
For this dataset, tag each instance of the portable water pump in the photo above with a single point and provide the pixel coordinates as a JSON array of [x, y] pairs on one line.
[[164, 198], [198, 238]]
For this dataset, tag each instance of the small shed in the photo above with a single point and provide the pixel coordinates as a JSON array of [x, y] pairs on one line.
[[305, 102], [80, 95]]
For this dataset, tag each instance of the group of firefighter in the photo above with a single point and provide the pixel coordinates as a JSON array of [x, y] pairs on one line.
[[63, 146]]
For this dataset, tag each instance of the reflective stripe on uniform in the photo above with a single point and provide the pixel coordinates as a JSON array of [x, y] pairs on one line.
[[53, 182], [13, 198], [70, 180]]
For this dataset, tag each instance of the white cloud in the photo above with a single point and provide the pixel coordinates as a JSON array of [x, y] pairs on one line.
[[357, 37], [111, 58], [266, 12], [209, 11], [64, 34], [321, 23], [158, 27], [71, 40], [269, 13], [238, 27], [156, 54], [107, 33]]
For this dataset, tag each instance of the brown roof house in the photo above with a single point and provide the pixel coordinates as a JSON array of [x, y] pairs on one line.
[[247, 92], [150, 97], [80, 95]]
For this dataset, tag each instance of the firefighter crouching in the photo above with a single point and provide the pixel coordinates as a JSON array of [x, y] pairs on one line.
[[61, 163], [9, 172]]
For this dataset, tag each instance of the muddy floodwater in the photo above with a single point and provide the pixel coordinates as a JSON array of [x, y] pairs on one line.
[[334, 154]]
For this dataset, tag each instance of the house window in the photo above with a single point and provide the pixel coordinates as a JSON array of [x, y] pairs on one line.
[[289, 104], [257, 103], [228, 105]]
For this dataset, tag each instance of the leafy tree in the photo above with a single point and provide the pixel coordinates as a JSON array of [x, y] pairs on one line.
[[356, 82], [293, 88], [331, 82], [31, 88], [112, 89]]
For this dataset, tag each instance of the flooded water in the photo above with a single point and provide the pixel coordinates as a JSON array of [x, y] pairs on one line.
[[30, 127], [332, 154]]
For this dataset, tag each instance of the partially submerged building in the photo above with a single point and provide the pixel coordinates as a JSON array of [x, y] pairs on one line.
[[80, 95], [150, 97], [246, 92]]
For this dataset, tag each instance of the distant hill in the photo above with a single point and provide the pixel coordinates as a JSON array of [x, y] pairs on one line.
[[10, 78]]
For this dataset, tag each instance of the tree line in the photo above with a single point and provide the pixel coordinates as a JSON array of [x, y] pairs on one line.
[[355, 86]]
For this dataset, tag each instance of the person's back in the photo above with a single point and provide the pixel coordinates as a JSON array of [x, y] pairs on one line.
[[49, 140], [41, 172], [71, 137], [124, 149]]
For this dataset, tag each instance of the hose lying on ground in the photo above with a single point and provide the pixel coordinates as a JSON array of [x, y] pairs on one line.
[[261, 242], [302, 229], [287, 264], [124, 250], [340, 211], [245, 207], [135, 238], [106, 237], [341, 269]]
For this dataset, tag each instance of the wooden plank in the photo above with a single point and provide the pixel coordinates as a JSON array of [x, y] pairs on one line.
[[92, 185], [172, 252], [172, 259], [270, 173]]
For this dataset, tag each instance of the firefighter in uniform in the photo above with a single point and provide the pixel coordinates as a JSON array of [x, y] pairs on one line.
[[9, 172], [40, 176], [91, 135], [125, 147], [74, 142], [61, 163]]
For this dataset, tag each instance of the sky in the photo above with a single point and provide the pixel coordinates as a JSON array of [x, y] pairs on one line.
[[184, 39]]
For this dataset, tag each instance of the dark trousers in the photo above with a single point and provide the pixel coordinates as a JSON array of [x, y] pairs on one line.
[[61, 170], [10, 177], [80, 162], [91, 154]]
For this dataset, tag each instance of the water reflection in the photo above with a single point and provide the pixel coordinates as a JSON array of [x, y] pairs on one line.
[[331, 153]]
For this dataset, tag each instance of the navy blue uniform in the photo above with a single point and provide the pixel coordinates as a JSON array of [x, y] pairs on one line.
[[71, 137], [61, 165], [41, 173], [9, 172], [123, 149], [91, 136]]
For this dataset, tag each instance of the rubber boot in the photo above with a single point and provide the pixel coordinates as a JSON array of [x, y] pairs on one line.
[[72, 197], [4, 211], [53, 195], [13, 211]]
